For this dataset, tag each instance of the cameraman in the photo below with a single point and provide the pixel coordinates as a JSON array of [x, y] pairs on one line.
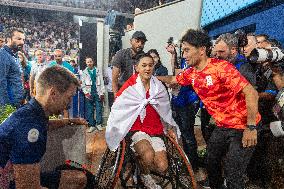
[[258, 170], [262, 41]]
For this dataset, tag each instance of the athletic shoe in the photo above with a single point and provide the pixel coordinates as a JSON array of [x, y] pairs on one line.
[[149, 182], [99, 127], [91, 129]]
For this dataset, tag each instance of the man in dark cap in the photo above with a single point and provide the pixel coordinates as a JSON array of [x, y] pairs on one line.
[[124, 60]]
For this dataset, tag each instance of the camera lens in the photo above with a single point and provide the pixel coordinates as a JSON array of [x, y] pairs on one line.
[[266, 55]]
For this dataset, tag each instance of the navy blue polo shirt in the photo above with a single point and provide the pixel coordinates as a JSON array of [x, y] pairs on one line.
[[23, 135]]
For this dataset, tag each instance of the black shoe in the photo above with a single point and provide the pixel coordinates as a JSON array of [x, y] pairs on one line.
[[204, 184]]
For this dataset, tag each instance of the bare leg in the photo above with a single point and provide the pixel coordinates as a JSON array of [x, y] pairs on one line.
[[145, 154], [161, 161]]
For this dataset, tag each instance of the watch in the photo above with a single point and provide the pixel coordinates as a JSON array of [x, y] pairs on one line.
[[251, 127]]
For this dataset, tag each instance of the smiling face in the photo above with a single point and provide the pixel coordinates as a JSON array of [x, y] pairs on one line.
[[145, 68]]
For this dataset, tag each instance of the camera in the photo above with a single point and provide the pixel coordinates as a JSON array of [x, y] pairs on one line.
[[266, 55], [242, 38], [170, 40]]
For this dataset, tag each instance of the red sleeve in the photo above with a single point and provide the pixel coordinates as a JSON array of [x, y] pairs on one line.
[[183, 77], [231, 77]]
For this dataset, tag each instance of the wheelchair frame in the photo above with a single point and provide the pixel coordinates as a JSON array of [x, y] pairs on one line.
[[114, 168]]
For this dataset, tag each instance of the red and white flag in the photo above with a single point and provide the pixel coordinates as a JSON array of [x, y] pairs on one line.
[[131, 102]]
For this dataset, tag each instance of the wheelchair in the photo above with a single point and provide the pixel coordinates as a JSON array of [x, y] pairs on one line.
[[121, 168]]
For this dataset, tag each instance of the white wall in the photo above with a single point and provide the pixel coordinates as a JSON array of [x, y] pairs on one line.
[[166, 21]]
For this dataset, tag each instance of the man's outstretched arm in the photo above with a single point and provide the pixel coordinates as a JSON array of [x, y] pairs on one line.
[[168, 79]]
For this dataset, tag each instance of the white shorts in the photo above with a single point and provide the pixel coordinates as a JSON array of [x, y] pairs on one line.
[[156, 142]]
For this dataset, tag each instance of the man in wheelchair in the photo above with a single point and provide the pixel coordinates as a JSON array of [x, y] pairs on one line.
[[142, 108]]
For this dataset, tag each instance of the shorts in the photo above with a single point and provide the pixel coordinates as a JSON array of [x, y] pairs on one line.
[[156, 142]]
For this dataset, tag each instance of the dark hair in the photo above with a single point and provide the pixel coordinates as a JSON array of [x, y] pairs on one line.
[[9, 33], [58, 77], [155, 52], [197, 38], [95, 62], [263, 35], [24, 62], [143, 55], [89, 57], [275, 43]]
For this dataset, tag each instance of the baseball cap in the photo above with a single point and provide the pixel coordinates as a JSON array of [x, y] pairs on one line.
[[139, 35]]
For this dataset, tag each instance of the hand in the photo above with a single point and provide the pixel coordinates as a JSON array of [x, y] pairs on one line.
[[172, 134], [78, 121], [174, 86], [88, 96], [102, 97], [171, 49], [249, 138]]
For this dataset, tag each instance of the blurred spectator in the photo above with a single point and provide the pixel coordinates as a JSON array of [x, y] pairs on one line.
[[2, 40], [262, 41], [94, 90], [26, 67], [160, 69], [37, 68], [58, 56], [108, 82], [75, 66], [11, 87], [47, 35]]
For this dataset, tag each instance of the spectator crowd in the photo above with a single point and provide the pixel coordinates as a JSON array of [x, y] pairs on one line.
[[49, 35]]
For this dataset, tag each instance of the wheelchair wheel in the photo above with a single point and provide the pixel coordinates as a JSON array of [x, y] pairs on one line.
[[122, 166], [180, 171], [110, 167]]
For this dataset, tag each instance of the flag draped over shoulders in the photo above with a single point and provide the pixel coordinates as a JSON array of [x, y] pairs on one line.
[[131, 102]]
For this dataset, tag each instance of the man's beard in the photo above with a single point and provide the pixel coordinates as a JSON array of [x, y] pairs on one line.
[[137, 50], [16, 48]]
